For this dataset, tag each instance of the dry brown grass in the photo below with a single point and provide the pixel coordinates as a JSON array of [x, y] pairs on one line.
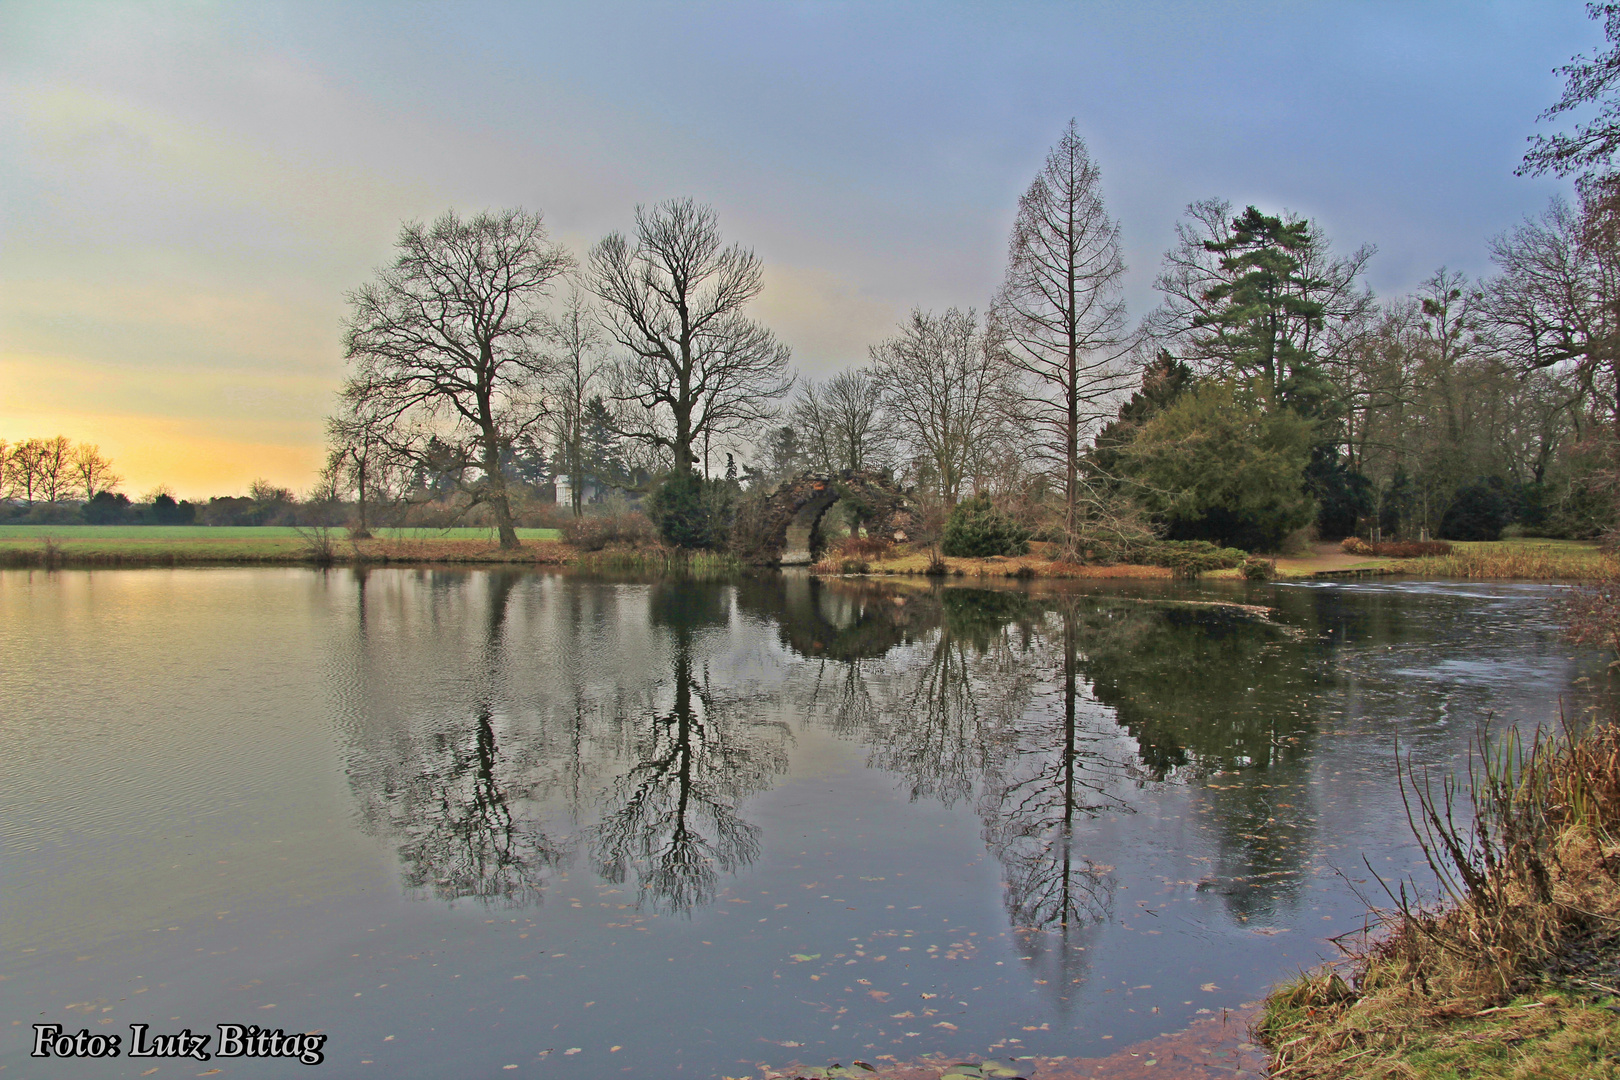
[[1513, 973], [532, 553], [1523, 561], [1039, 563]]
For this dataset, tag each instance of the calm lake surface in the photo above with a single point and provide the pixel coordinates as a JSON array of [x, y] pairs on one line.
[[477, 824]]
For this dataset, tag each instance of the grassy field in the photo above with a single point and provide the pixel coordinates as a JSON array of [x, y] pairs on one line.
[[167, 545]]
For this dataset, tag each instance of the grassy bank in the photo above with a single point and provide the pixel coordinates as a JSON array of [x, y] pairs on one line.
[[178, 545], [185, 545], [1516, 973]]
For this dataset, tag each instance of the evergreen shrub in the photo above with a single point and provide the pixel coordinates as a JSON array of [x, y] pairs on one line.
[[691, 512], [977, 530]]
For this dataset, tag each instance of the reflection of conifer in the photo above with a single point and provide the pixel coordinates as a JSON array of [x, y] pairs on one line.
[[1063, 769]]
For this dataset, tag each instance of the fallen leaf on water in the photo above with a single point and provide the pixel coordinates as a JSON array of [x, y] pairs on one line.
[[571, 1050], [1208, 987], [878, 995], [800, 957]]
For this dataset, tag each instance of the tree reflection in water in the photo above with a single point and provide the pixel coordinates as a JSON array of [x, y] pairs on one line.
[[961, 713], [448, 797], [1061, 770], [478, 723], [950, 708], [673, 816], [1208, 692], [1140, 692]]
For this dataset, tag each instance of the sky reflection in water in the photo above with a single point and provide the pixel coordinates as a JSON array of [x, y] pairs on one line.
[[466, 820]]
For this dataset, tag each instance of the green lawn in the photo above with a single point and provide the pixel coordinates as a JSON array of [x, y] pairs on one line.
[[176, 544]]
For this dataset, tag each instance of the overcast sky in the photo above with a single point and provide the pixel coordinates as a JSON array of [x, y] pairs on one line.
[[187, 191]]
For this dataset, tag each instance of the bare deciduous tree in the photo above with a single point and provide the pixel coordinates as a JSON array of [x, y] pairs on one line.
[[1556, 303], [53, 468], [1589, 150], [445, 344], [22, 470], [92, 473], [701, 371], [945, 388], [360, 459], [842, 422], [1059, 312], [578, 341]]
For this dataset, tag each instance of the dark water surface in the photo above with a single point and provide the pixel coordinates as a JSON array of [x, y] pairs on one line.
[[490, 824]]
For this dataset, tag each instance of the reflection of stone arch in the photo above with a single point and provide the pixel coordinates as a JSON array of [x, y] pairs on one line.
[[789, 520]]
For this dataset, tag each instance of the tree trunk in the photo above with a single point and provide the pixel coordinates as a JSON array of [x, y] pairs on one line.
[[496, 487], [360, 474], [682, 446]]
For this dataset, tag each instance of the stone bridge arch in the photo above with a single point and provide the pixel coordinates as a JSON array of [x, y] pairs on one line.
[[789, 521]]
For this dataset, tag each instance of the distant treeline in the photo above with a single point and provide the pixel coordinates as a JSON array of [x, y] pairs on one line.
[[56, 481]]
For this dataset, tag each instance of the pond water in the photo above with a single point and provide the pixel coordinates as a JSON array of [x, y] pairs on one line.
[[470, 823]]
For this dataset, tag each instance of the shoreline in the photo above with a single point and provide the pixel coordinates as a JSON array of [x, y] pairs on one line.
[[1526, 560]]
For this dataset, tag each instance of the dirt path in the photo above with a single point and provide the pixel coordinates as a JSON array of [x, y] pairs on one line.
[[1326, 557]]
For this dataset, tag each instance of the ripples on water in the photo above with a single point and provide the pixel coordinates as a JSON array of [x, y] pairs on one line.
[[466, 820]]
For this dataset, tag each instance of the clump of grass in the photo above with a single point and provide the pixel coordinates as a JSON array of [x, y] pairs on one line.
[[318, 546], [1592, 614], [1255, 568], [1528, 929]]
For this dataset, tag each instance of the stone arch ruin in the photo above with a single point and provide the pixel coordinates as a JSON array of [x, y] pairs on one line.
[[789, 521]]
